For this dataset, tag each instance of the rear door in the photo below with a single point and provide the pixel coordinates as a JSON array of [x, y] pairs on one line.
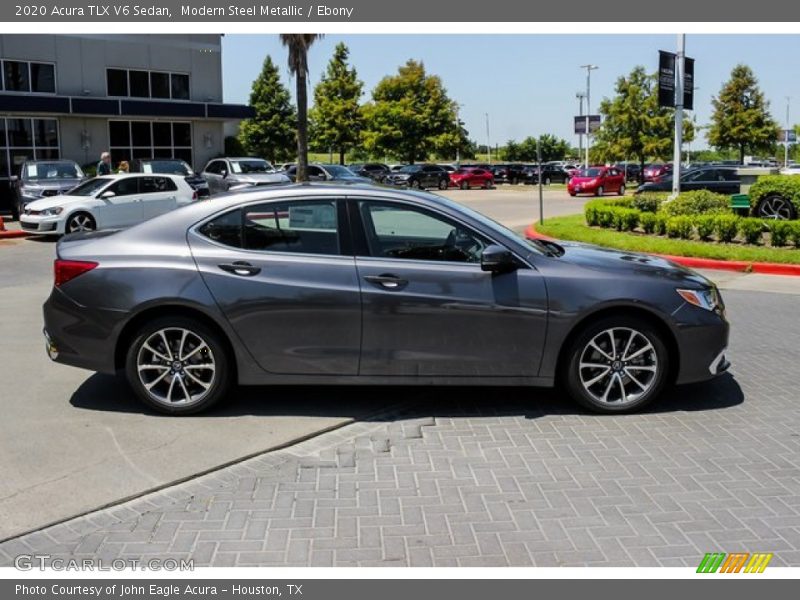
[[159, 195], [284, 275]]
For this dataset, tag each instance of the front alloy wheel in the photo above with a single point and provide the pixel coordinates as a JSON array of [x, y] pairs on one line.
[[618, 365], [177, 366], [80, 222], [776, 207]]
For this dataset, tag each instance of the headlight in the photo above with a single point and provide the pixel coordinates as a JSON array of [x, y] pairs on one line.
[[51, 212], [31, 191], [707, 299]]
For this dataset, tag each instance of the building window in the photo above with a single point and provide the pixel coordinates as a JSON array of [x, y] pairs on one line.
[[134, 83], [23, 76], [26, 138], [129, 140]]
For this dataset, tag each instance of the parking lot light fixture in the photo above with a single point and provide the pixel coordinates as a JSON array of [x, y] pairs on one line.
[[589, 69]]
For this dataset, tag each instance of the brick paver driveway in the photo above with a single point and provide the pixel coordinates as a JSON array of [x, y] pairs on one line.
[[502, 477]]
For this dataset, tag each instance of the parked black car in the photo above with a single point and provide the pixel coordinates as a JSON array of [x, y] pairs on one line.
[[723, 180], [633, 171], [550, 174], [511, 173], [172, 166], [420, 177], [375, 171]]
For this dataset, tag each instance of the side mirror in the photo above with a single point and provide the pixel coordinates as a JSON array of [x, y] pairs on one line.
[[497, 259], [14, 178], [107, 195], [224, 173]]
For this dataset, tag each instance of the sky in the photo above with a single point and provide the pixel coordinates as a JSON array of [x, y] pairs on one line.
[[528, 83]]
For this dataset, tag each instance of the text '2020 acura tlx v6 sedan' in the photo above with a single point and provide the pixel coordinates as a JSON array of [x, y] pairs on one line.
[[321, 284]]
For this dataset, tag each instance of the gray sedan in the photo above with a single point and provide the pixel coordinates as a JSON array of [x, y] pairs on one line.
[[322, 284]]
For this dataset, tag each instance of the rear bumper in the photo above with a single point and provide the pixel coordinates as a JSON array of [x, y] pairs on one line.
[[73, 338]]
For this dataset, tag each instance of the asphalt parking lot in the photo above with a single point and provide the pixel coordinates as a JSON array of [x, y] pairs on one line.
[[443, 477]]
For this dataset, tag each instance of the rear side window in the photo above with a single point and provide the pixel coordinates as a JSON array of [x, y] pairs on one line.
[[151, 185], [302, 227]]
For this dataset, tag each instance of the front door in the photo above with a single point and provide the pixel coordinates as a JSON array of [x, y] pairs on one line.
[[123, 207], [278, 272], [429, 309]]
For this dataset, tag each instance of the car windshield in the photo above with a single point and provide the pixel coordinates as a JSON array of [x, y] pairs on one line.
[[410, 169], [590, 173], [465, 171], [339, 171], [40, 171], [90, 187], [172, 167], [251, 165]]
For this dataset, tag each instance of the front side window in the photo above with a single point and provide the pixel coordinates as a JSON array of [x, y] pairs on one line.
[[125, 187], [400, 231]]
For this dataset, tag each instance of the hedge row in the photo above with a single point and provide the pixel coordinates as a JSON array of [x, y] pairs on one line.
[[711, 226]]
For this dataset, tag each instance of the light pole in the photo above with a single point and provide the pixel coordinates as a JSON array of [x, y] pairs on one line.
[[589, 69], [580, 96], [786, 135], [676, 153], [458, 133], [488, 142]]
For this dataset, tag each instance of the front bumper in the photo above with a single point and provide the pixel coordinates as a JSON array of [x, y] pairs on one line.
[[39, 224], [702, 346]]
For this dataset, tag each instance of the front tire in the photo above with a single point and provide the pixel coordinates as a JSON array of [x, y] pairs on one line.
[[600, 191], [621, 191], [464, 185], [177, 366], [616, 365], [80, 221], [443, 184], [775, 207]]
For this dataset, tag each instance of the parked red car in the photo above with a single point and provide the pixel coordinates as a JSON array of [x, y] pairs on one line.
[[466, 178], [656, 172], [597, 181]]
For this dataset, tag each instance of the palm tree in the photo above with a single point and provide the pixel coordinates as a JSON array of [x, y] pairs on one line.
[[298, 45]]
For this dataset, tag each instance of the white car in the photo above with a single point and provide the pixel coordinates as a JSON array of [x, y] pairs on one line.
[[108, 202], [791, 170]]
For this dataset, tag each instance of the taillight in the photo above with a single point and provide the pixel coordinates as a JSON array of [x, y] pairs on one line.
[[66, 270], [194, 195]]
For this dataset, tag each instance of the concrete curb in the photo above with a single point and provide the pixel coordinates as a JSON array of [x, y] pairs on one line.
[[739, 266], [14, 233]]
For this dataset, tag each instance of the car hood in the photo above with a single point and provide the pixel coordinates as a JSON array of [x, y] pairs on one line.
[[261, 178], [54, 201], [577, 179], [55, 184], [627, 263]]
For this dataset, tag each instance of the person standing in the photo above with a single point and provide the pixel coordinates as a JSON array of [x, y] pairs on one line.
[[104, 166]]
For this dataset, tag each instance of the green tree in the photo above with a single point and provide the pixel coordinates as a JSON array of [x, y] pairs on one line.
[[634, 125], [411, 117], [552, 147], [511, 151], [336, 116], [271, 132], [298, 45], [741, 118]]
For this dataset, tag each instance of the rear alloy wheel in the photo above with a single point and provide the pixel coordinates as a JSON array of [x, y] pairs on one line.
[[776, 207], [618, 364], [465, 185], [80, 222], [547, 181], [487, 185], [621, 190], [600, 191], [443, 183], [177, 366]]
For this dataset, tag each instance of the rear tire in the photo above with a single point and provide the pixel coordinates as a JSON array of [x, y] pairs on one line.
[[616, 374], [775, 207], [547, 181], [621, 191], [178, 366]]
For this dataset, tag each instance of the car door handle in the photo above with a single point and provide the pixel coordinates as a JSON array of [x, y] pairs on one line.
[[240, 267], [387, 281]]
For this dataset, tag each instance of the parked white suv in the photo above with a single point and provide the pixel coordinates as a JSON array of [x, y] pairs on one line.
[[112, 201]]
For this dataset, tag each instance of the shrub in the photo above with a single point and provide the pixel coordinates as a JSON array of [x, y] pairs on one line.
[[698, 202], [649, 201], [787, 186], [605, 216], [780, 231], [626, 219], [794, 233], [647, 220], [661, 224], [590, 213], [679, 226], [726, 227], [751, 230], [705, 226]]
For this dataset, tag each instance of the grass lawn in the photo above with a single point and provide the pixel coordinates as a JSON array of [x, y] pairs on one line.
[[574, 228]]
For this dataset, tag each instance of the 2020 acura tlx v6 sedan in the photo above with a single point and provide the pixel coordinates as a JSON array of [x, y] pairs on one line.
[[356, 284]]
